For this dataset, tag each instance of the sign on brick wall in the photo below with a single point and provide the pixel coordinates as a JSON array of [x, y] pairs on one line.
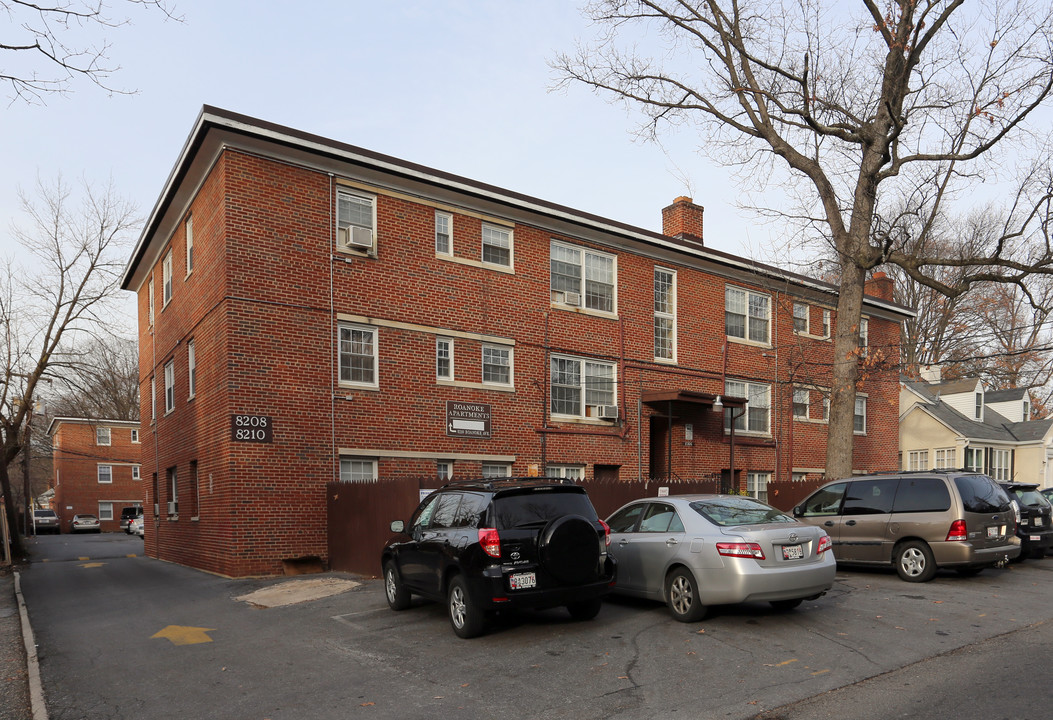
[[465, 419], [251, 428]]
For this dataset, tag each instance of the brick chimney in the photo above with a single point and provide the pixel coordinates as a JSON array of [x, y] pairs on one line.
[[880, 285], [683, 219]]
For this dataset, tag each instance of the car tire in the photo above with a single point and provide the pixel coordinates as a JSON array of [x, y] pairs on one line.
[[786, 605], [570, 550], [914, 561], [466, 617], [396, 593], [683, 597], [585, 609]]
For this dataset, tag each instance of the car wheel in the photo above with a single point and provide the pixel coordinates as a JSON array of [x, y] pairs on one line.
[[586, 609], [570, 549], [914, 561], [397, 594], [682, 596], [786, 605], [467, 619]]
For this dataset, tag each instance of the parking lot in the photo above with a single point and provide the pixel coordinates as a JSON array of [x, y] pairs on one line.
[[103, 616]]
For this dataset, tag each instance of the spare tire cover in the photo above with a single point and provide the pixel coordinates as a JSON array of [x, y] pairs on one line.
[[570, 549]]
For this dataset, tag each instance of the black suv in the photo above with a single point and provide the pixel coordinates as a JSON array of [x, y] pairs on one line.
[[1034, 518], [484, 545]]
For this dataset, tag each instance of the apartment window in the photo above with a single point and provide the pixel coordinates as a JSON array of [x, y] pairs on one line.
[[136, 473], [1027, 410], [918, 460], [826, 323], [664, 314], [974, 459], [443, 233], [193, 495], [1001, 461], [801, 397], [978, 406], [358, 355], [581, 278], [826, 407], [497, 245], [105, 511], [358, 470], [153, 399], [444, 469], [800, 317], [757, 485], [567, 472], [945, 458], [191, 368], [105, 474], [757, 418], [166, 279], [169, 386], [580, 388], [102, 436], [189, 225], [747, 315], [135, 435], [150, 297], [496, 470], [444, 359], [172, 484], [859, 419], [497, 365], [355, 220], [799, 477], [864, 335]]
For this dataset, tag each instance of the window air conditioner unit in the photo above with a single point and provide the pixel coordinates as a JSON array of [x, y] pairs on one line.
[[357, 237], [607, 412], [572, 298], [173, 507]]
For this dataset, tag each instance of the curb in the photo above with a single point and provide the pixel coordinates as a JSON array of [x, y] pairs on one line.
[[36, 688]]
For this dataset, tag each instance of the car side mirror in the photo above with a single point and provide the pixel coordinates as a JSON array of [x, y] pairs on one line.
[[398, 526], [798, 511]]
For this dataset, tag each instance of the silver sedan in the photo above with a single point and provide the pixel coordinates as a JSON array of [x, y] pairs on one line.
[[694, 551]]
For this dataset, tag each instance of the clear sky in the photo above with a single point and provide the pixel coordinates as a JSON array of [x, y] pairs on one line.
[[458, 85]]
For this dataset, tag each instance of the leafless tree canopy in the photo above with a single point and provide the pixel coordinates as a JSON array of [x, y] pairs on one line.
[[45, 47], [105, 383], [878, 114]]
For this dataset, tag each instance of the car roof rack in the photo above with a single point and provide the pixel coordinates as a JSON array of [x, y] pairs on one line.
[[493, 483]]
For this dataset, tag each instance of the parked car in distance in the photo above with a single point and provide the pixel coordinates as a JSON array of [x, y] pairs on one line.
[[135, 526], [1034, 518], [916, 521], [128, 514], [485, 545], [695, 551], [84, 523], [46, 521]]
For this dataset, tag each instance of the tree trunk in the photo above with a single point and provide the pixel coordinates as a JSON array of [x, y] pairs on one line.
[[18, 550], [845, 373]]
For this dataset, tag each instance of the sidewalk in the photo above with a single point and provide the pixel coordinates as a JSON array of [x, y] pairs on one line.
[[14, 677]]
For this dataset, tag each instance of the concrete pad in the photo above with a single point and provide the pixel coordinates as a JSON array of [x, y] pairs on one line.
[[291, 592]]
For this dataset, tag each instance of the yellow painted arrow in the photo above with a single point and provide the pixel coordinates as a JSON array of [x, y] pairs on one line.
[[92, 565], [183, 635]]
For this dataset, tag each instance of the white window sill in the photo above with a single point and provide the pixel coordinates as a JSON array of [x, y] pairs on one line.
[[509, 269], [579, 420], [355, 386], [666, 361], [584, 310], [752, 343]]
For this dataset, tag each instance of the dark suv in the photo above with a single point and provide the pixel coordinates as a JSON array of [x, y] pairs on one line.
[[484, 545], [1034, 518]]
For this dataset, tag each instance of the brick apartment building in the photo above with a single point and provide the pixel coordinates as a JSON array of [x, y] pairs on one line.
[[97, 468], [310, 310]]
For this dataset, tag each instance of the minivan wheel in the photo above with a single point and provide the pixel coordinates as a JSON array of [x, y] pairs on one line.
[[914, 561], [465, 616], [682, 596], [397, 594]]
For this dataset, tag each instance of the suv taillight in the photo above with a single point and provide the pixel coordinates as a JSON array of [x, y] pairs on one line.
[[490, 542], [606, 533], [748, 550], [957, 532]]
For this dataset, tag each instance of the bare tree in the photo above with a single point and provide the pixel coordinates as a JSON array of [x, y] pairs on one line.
[[49, 45], [104, 383], [853, 111], [50, 307]]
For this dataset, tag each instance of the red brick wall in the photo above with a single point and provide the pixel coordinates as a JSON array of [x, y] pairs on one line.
[[76, 463]]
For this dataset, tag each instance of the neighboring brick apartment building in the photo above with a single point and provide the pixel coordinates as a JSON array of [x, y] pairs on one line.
[[97, 468], [309, 310]]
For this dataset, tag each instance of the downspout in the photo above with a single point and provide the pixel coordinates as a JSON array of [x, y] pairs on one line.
[[334, 462]]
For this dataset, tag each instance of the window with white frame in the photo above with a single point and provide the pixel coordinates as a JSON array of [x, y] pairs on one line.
[[859, 418], [864, 335], [105, 474], [189, 226], [801, 402], [580, 387], [135, 435], [443, 233], [153, 399], [355, 220], [444, 359], [136, 473], [826, 407], [173, 491], [800, 317], [826, 324], [567, 472], [358, 355], [978, 406], [974, 459], [945, 458], [102, 436], [497, 245], [358, 470], [191, 368], [757, 418], [497, 365], [105, 511], [581, 277], [918, 460], [747, 314], [169, 386], [1027, 410], [150, 297], [496, 470], [1001, 464], [166, 279], [444, 469], [664, 314], [757, 485]]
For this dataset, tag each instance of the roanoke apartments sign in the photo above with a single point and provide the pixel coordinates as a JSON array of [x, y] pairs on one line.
[[467, 419]]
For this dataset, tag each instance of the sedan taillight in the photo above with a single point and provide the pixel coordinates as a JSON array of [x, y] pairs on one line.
[[825, 543], [747, 550], [490, 542]]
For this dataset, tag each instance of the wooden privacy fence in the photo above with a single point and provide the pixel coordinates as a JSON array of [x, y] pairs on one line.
[[359, 514]]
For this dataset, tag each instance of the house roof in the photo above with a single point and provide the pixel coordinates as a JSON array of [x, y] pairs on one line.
[[994, 427], [215, 127], [954, 387], [102, 422], [1009, 395]]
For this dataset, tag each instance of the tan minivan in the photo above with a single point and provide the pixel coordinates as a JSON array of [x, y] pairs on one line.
[[917, 521]]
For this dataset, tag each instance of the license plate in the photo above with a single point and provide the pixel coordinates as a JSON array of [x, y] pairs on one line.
[[792, 552], [992, 531], [522, 581], [1035, 538]]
